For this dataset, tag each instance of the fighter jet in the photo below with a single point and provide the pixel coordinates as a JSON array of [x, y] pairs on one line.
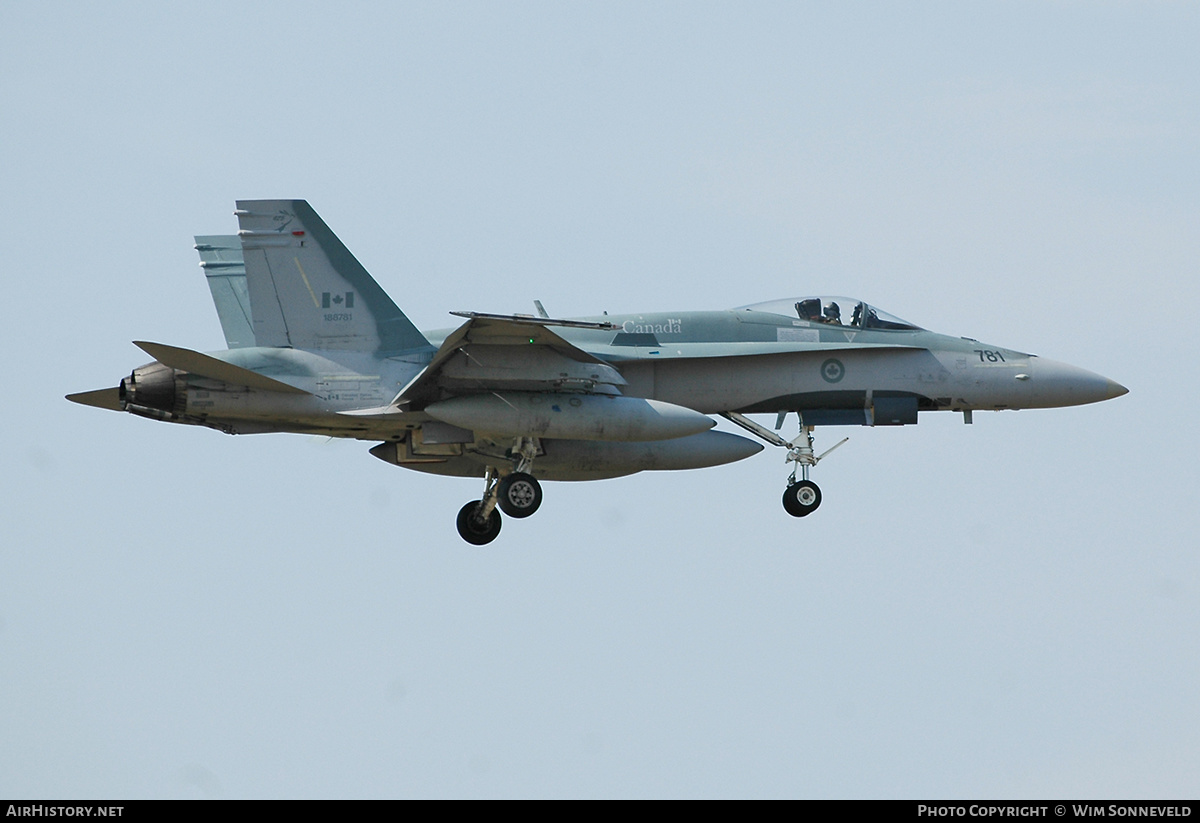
[[316, 346]]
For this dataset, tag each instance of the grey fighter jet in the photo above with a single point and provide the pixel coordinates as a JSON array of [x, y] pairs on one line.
[[316, 346]]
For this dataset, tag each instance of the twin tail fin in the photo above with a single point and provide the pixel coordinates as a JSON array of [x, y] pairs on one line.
[[307, 291]]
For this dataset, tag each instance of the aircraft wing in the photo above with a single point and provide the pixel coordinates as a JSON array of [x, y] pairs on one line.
[[493, 352]]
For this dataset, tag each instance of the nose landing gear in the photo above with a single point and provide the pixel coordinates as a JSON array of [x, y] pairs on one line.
[[801, 497]]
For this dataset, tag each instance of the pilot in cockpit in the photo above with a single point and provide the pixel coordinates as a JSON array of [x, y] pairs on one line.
[[809, 310], [833, 314]]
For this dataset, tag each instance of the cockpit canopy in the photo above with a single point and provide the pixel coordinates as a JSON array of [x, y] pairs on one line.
[[833, 311]]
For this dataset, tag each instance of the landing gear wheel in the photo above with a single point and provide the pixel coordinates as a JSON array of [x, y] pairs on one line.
[[519, 494], [474, 529], [801, 498]]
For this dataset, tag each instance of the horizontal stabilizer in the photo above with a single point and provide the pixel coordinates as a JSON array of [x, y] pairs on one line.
[[206, 366], [100, 398]]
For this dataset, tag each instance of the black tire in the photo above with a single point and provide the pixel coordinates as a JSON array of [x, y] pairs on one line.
[[474, 530], [519, 494], [800, 499]]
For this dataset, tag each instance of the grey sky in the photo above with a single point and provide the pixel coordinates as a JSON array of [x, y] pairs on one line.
[[1007, 609]]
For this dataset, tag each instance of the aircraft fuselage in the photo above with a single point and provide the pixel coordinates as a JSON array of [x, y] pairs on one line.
[[711, 362]]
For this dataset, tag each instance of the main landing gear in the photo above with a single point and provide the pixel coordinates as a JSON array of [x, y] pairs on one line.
[[517, 493], [476, 527], [801, 497]]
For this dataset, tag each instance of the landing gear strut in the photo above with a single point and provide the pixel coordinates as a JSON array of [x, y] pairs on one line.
[[802, 497]]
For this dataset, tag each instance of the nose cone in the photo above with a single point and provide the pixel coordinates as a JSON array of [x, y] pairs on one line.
[[1060, 384]]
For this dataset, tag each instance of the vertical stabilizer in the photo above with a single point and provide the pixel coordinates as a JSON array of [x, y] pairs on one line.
[[221, 259], [306, 289]]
